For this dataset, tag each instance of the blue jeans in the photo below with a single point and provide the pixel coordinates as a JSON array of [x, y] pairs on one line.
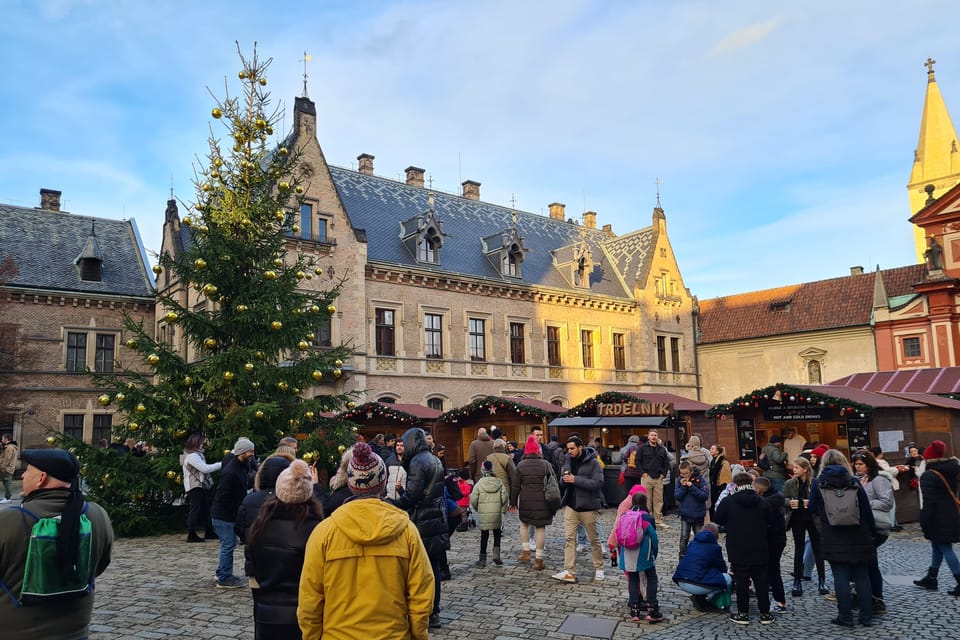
[[777, 483], [860, 573], [941, 551], [228, 542], [700, 590]]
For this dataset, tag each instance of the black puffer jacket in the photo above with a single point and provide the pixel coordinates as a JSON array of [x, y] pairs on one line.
[[250, 507], [938, 517], [275, 559], [423, 496], [747, 519], [526, 490], [586, 492], [851, 544], [231, 490]]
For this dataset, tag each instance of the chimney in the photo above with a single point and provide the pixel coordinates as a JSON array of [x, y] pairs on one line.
[[856, 271], [471, 189], [608, 229], [590, 219], [414, 176], [304, 117], [50, 199], [365, 164], [557, 211]]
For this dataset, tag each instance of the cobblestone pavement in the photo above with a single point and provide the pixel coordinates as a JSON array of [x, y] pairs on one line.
[[164, 588]]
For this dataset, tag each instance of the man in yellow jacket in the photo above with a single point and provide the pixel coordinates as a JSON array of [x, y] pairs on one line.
[[366, 574]]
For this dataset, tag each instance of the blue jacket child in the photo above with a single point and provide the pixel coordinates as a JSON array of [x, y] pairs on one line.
[[692, 499]]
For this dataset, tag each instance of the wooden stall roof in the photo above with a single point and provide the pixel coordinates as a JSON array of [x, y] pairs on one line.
[[936, 380], [679, 402], [537, 404], [869, 398]]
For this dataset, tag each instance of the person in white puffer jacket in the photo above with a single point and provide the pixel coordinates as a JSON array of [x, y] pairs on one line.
[[196, 484]]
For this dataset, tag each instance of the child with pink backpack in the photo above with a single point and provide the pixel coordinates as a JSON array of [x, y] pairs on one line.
[[637, 546]]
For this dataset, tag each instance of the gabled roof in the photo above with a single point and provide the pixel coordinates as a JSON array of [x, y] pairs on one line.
[[937, 380], [44, 245], [812, 306], [377, 205]]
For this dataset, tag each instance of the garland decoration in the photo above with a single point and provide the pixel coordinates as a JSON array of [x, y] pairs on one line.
[[787, 395], [490, 405]]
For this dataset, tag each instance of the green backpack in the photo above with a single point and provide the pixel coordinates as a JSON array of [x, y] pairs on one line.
[[42, 581]]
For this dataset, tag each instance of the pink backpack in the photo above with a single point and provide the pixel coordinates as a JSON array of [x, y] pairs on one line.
[[630, 529]]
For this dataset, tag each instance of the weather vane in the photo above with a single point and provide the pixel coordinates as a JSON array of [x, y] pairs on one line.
[[659, 182], [306, 58]]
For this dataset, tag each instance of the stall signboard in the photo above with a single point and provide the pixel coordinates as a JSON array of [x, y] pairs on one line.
[[787, 412], [746, 439], [858, 433], [627, 409]]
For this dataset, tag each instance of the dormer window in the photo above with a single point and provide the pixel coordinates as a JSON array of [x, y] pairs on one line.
[[423, 235], [90, 260], [780, 306], [580, 276], [506, 252]]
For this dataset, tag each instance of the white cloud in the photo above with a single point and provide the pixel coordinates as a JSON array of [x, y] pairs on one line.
[[745, 37]]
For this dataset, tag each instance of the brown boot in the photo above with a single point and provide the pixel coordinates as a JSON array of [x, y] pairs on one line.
[[538, 564], [524, 556]]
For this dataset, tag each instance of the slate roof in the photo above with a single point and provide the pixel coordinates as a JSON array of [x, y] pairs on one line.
[[378, 205], [813, 306], [45, 245]]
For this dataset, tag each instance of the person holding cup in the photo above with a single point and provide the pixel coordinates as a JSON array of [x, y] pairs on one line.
[[796, 492]]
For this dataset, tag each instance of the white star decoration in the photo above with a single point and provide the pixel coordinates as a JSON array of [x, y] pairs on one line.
[[492, 409]]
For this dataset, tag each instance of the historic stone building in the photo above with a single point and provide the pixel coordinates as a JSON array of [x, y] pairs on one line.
[[65, 281], [448, 298]]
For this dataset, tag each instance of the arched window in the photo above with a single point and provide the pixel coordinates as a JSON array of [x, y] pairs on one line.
[[429, 249], [435, 403], [387, 400], [813, 372]]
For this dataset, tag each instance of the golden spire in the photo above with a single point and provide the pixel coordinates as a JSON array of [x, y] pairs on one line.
[[936, 160]]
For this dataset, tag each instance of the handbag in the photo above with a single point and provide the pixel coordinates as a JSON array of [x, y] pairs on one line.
[[882, 519], [551, 490]]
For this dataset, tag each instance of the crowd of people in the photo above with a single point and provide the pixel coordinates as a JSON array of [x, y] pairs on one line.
[[371, 547]]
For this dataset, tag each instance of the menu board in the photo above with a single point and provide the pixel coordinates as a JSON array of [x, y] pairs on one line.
[[858, 433], [746, 439]]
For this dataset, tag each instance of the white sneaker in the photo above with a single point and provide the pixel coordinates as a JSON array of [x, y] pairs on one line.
[[581, 548], [532, 545], [598, 575], [564, 576], [5, 501]]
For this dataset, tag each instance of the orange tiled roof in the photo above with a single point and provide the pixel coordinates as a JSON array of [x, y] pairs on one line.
[[811, 306]]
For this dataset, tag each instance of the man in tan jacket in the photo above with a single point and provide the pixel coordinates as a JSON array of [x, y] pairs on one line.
[[8, 464]]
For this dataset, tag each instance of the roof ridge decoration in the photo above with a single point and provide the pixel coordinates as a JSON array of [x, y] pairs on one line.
[[786, 394], [370, 410], [490, 405]]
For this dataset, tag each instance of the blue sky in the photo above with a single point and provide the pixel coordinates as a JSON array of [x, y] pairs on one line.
[[783, 133]]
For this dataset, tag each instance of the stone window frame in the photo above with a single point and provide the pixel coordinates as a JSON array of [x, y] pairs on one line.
[[91, 360], [553, 345]]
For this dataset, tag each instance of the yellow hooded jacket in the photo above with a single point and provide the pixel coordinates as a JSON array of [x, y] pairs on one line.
[[366, 576]]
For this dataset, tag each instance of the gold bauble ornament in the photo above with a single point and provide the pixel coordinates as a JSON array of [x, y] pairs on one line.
[[104, 400], [228, 375], [248, 366], [279, 433], [178, 479], [284, 184], [278, 262], [200, 263], [242, 75], [131, 343], [263, 82], [295, 228], [303, 345], [226, 451], [280, 215], [341, 448], [310, 336], [211, 417], [283, 386], [242, 308], [317, 375], [210, 289], [214, 174], [206, 187], [141, 408], [216, 113], [179, 433], [308, 457], [314, 308], [133, 426], [276, 325], [203, 228], [171, 474], [153, 358], [309, 415], [318, 271], [338, 362], [351, 404], [255, 384], [331, 309], [245, 222], [260, 123], [210, 343], [297, 311], [270, 275], [51, 440], [187, 380], [283, 151], [337, 373], [119, 397], [269, 130], [157, 269], [300, 275], [171, 316], [299, 190], [260, 354], [260, 414], [187, 221]]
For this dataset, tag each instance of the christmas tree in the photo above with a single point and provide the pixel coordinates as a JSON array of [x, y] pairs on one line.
[[251, 368]]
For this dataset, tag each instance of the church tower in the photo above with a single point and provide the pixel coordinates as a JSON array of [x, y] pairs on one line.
[[936, 160]]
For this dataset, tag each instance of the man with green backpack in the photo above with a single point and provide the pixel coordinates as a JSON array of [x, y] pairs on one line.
[[52, 547]]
